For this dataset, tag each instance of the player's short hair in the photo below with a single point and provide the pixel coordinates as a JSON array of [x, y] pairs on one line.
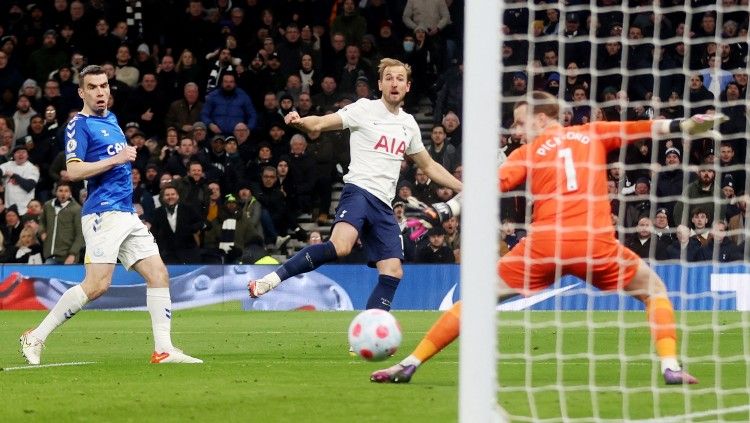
[[89, 70], [387, 62], [542, 102]]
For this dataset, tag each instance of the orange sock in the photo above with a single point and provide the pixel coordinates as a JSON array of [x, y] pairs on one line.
[[442, 333], [660, 316]]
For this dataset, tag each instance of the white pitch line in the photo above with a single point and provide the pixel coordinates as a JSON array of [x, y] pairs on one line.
[[40, 366]]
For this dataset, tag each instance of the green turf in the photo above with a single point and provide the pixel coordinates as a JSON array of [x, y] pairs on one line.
[[272, 366]]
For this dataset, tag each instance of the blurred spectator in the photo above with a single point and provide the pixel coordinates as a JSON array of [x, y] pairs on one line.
[[47, 58], [443, 153], [328, 96], [639, 204], [27, 249], [60, 227], [351, 24], [453, 237], [302, 175], [125, 70], [423, 188], [663, 233], [193, 189], [249, 229], [22, 116], [509, 237], [226, 107], [685, 247], [719, 247], [697, 195], [670, 181], [175, 228], [435, 251], [643, 240], [699, 220], [731, 166], [224, 63], [13, 227], [19, 178]]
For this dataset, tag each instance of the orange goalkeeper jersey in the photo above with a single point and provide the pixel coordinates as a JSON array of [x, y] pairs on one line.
[[566, 175]]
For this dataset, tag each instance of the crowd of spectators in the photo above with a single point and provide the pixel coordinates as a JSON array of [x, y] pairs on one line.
[[672, 198], [200, 88]]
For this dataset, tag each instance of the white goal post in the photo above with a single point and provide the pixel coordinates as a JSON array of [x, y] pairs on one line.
[[481, 125]]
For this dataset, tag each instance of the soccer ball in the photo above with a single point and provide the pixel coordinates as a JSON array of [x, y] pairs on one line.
[[374, 335]]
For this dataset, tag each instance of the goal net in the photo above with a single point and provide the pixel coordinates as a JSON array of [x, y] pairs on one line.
[[573, 352]]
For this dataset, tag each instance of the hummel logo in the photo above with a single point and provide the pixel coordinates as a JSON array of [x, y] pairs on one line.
[[71, 133], [69, 314], [105, 133]]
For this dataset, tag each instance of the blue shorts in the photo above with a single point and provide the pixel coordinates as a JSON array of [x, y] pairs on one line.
[[375, 222]]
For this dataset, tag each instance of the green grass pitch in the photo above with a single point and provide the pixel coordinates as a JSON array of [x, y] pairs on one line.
[[294, 366]]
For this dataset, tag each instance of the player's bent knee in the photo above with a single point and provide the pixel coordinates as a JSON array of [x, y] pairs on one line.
[[95, 288]]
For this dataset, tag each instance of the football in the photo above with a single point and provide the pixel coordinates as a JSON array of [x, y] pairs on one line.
[[374, 335]]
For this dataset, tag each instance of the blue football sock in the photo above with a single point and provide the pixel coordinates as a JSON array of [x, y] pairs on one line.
[[382, 296], [309, 258]]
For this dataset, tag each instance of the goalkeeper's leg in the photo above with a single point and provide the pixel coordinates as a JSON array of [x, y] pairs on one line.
[[441, 334], [648, 287]]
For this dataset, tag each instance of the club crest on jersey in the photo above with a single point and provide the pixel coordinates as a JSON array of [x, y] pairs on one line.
[[71, 146], [393, 146]]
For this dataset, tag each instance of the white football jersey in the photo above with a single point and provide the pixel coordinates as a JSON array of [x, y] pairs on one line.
[[379, 139]]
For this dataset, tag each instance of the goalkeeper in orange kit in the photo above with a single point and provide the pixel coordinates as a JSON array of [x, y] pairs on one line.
[[565, 169]]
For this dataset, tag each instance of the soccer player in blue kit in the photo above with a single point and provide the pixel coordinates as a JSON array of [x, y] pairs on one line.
[[382, 135], [96, 150]]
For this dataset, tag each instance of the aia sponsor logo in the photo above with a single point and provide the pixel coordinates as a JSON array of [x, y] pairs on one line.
[[392, 146]]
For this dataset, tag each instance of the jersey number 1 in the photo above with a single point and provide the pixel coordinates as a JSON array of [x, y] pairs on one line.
[[571, 182]]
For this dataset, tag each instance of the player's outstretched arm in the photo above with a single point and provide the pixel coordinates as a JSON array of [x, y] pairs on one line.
[[331, 122], [696, 124], [79, 170]]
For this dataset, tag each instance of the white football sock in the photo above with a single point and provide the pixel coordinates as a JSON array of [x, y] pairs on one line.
[[159, 305], [670, 363], [71, 302], [410, 361]]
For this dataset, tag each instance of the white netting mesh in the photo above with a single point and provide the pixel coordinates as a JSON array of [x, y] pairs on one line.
[[586, 355]]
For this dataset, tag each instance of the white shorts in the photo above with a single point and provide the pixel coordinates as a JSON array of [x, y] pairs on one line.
[[115, 234]]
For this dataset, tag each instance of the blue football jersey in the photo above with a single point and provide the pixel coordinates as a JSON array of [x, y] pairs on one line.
[[94, 138]]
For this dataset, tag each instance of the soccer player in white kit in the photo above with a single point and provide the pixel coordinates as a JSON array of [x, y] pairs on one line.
[[382, 134], [96, 149]]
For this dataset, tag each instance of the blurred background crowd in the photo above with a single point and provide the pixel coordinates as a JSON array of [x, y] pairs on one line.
[[200, 88]]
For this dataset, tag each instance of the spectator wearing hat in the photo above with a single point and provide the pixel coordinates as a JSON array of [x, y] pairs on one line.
[[404, 190], [144, 61], [276, 77], [435, 251], [47, 58], [226, 107], [697, 194], [19, 177], [361, 90], [552, 83], [224, 63], [388, 44], [639, 204], [663, 233], [577, 46], [669, 182], [12, 228]]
